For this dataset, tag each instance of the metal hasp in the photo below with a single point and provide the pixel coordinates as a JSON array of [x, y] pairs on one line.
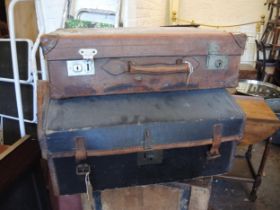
[[216, 61], [217, 140], [82, 67], [147, 142], [149, 156]]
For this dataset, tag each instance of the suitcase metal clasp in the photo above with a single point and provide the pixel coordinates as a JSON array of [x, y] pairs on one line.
[[82, 67], [88, 54], [147, 144], [149, 156], [216, 61], [82, 169]]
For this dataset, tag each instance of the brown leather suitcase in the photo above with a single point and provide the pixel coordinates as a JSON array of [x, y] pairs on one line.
[[84, 62]]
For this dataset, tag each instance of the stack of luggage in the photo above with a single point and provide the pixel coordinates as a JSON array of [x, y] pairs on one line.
[[131, 107]]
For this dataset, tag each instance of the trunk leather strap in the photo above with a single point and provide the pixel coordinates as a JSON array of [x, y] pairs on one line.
[[81, 152], [217, 140]]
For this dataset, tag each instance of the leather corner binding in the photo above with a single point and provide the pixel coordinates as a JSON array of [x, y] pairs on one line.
[[240, 39], [49, 42]]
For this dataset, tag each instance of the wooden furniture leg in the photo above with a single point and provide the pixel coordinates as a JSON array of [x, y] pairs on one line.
[[243, 170], [248, 153], [258, 177]]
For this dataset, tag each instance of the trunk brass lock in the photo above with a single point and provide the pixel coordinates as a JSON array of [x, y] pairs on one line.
[[82, 169], [150, 157], [82, 67]]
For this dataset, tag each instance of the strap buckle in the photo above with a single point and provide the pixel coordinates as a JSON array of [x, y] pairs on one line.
[[214, 151]]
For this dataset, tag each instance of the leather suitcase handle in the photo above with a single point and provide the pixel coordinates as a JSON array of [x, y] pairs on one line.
[[179, 67]]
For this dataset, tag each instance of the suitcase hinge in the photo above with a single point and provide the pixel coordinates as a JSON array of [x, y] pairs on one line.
[[217, 140], [81, 155]]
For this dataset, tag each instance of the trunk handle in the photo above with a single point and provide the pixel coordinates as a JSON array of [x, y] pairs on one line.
[[179, 67]]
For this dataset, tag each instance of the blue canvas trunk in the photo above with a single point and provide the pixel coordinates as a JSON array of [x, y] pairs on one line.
[[136, 139]]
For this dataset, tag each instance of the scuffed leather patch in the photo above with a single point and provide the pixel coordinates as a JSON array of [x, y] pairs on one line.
[[48, 42]]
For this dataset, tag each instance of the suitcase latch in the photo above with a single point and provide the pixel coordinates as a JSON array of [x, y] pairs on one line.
[[88, 54], [216, 61], [82, 67], [82, 169], [147, 144], [149, 156], [217, 140]]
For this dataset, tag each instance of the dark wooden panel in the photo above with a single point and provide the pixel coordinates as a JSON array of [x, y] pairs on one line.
[[16, 159]]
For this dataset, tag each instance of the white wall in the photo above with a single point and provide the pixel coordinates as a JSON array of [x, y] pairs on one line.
[[145, 12], [155, 12], [135, 12], [140, 13], [222, 12], [214, 12], [53, 11]]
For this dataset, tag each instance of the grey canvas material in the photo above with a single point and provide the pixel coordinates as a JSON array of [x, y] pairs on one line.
[[119, 121]]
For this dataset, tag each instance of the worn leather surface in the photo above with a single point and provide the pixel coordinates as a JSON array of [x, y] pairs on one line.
[[146, 47]]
